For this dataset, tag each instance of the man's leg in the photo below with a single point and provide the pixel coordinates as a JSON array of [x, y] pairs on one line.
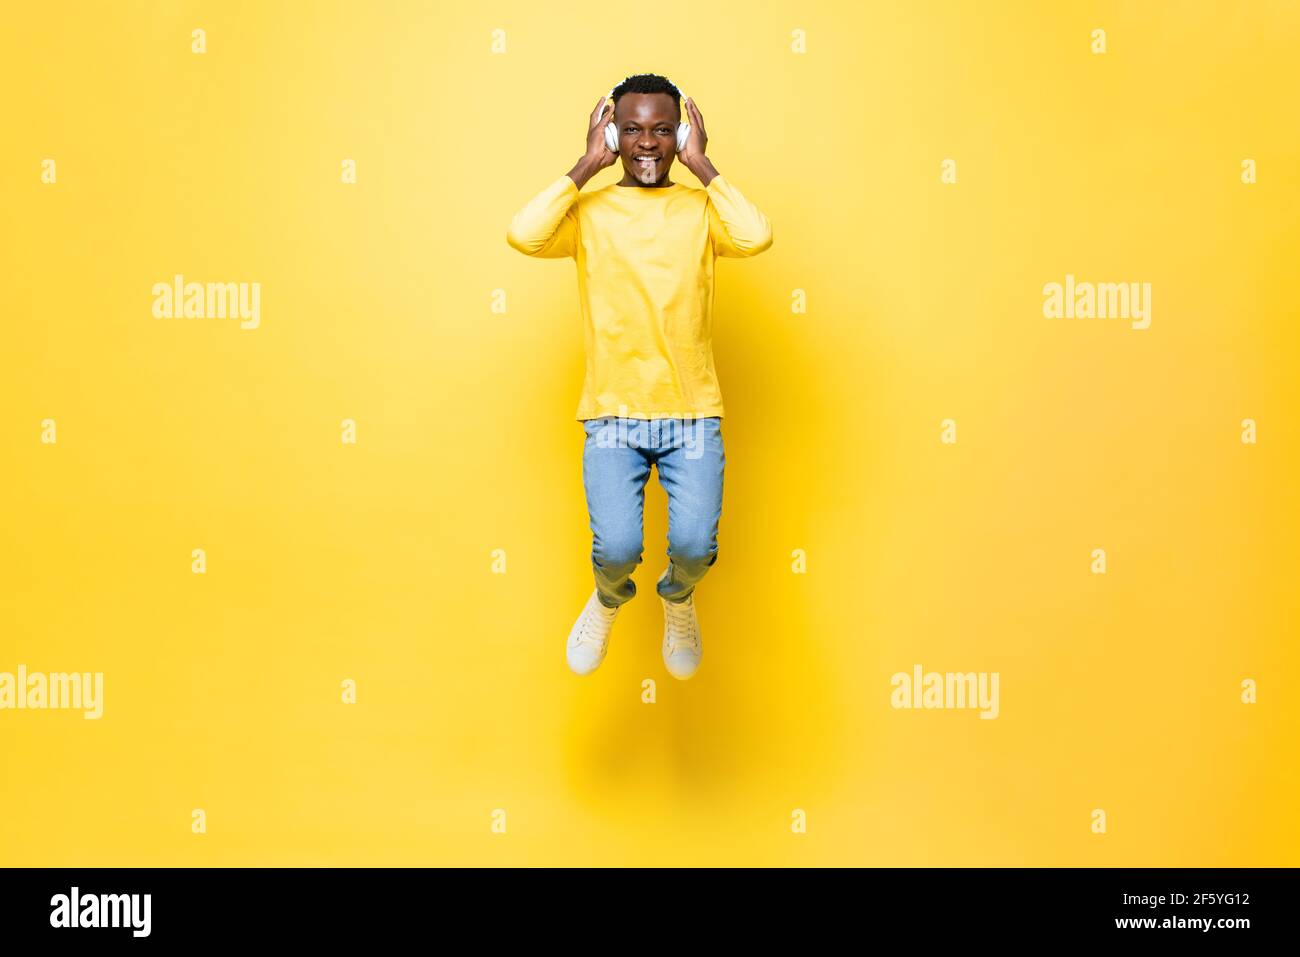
[[691, 473], [614, 476]]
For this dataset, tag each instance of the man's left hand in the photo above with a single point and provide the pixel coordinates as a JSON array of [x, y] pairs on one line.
[[692, 154]]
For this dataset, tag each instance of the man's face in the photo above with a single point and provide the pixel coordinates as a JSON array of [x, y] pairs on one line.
[[647, 126]]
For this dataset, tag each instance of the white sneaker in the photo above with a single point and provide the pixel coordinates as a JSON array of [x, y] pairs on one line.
[[589, 638], [682, 651]]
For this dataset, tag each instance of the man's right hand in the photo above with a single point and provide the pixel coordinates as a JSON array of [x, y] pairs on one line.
[[598, 155], [597, 151]]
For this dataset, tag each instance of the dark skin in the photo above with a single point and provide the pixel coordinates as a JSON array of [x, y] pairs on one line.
[[647, 125]]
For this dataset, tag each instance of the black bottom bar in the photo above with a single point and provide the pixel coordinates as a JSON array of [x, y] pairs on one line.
[[203, 906]]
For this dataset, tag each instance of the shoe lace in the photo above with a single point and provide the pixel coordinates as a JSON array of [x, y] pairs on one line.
[[682, 633], [595, 627]]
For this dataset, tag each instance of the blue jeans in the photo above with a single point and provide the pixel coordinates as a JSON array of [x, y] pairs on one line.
[[616, 464]]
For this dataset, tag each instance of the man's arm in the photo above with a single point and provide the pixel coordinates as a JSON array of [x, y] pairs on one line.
[[736, 226], [548, 226], [589, 166]]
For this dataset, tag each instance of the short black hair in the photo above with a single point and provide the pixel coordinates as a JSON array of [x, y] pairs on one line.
[[649, 83]]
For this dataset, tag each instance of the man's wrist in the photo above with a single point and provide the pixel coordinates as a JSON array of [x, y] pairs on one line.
[[704, 169], [583, 170]]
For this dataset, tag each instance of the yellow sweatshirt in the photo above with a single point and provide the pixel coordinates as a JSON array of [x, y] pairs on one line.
[[645, 260]]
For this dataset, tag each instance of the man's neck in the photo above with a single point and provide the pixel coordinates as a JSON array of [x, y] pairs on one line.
[[662, 184]]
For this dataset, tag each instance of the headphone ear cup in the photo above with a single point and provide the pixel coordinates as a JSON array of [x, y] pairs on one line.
[[611, 137], [683, 133]]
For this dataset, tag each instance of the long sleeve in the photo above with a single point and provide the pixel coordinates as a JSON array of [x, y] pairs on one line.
[[548, 225], [737, 227]]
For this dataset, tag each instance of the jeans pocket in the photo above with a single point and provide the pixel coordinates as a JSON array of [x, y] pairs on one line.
[[589, 425]]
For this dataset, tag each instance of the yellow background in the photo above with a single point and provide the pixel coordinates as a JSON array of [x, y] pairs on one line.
[[373, 562]]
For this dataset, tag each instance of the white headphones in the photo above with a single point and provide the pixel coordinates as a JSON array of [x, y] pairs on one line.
[[611, 133]]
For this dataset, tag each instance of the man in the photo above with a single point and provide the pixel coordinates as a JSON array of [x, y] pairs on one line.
[[645, 249]]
